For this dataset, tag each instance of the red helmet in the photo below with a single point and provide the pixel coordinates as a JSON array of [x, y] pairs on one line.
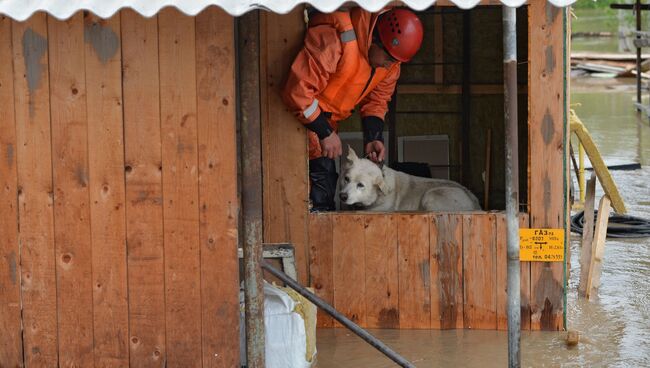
[[400, 31]]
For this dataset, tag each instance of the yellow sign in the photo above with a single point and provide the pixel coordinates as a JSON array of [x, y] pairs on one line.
[[541, 245]]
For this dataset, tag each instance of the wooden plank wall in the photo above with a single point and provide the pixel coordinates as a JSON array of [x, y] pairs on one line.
[[284, 139], [415, 271], [547, 131], [118, 205]]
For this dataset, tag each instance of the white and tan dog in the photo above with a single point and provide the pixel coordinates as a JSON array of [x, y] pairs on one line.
[[363, 184]]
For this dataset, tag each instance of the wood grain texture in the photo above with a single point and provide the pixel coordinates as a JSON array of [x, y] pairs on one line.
[[215, 73], [71, 191], [284, 140], [414, 271], [446, 232], [349, 267], [381, 271], [479, 271], [547, 135], [180, 190], [106, 161], [321, 262], [35, 191], [11, 354], [143, 190]]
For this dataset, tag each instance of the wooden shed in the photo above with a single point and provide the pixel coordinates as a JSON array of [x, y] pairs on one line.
[[119, 198]]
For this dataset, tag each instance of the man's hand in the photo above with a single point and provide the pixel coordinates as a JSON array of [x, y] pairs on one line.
[[375, 151], [331, 146]]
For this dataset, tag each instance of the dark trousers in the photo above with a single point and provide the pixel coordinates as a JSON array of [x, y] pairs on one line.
[[323, 178]]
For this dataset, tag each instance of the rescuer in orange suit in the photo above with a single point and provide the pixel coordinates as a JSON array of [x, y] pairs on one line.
[[349, 58]]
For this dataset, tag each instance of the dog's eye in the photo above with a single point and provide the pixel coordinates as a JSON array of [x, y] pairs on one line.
[[347, 179], [360, 186]]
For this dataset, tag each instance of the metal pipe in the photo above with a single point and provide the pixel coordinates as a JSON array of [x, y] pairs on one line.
[[320, 303], [251, 166], [512, 183], [638, 52]]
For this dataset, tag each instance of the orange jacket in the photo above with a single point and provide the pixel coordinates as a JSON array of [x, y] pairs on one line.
[[332, 74]]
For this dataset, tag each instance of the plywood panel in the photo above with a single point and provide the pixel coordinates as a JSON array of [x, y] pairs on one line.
[[284, 140], [11, 354], [180, 189], [414, 271], [143, 192], [547, 135], [71, 195], [106, 160], [321, 262], [479, 271], [349, 267], [381, 271], [35, 191], [215, 73], [446, 232]]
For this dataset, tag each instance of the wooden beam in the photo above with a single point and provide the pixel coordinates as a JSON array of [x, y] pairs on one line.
[[598, 247], [438, 49], [547, 129], [587, 235]]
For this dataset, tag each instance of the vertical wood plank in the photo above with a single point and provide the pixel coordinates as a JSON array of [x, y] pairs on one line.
[[284, 140], [71, 195], [180, 189], [479, 271], [106, 160], [414, 271], [321, 262], [215, 69], [35, 191], [11, 354], [587, 234], [143, 192], [381, 271], [446, 232], [438, 48], [349, 267], [547, 135], [502, 271]]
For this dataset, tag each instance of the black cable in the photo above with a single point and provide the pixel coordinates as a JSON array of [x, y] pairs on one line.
[[619, 226]]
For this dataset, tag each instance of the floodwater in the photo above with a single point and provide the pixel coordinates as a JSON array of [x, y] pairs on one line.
[[614, 328]]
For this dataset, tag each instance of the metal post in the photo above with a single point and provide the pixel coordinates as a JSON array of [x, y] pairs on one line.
[[638, 53], [251, 165], [320, 303], [512, 183]]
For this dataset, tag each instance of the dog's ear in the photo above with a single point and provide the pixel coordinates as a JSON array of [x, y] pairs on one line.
[[381, 184], [352, 156]]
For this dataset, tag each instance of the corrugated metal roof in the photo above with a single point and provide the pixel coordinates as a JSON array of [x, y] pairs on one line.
[[63, 9]]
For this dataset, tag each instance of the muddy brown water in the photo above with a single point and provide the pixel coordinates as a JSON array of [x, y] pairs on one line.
[[614, 328]]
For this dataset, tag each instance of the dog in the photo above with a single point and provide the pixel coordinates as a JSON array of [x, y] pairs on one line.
[[365, 185]]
